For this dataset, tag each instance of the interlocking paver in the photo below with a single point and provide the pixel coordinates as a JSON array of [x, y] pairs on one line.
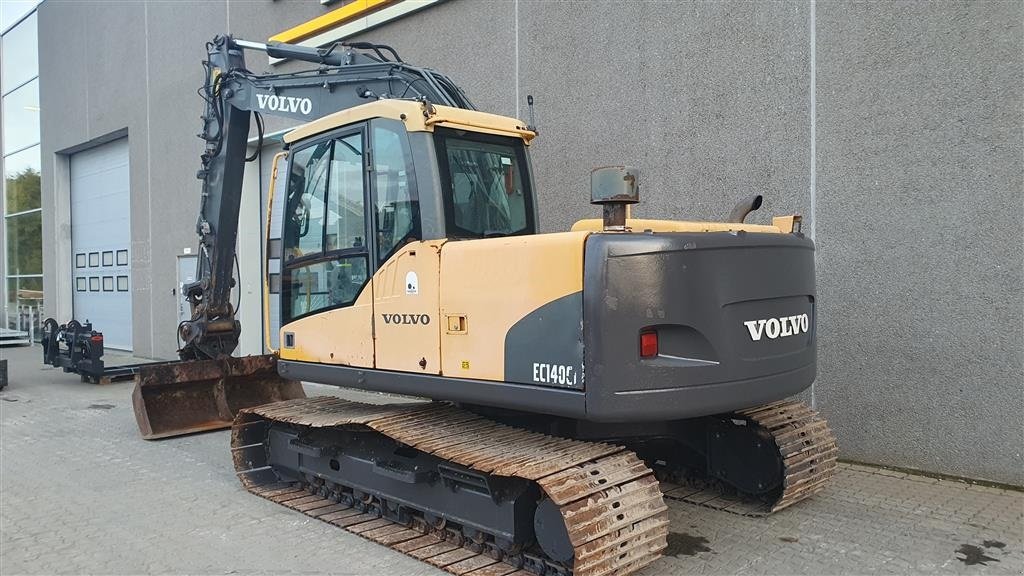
[[81, 493]]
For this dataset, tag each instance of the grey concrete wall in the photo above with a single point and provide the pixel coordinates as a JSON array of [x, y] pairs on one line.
[[919, 191], [894, 128], [709, 100]]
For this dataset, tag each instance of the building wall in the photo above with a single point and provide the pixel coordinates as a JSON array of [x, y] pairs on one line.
[[894, 128], [919, 186]]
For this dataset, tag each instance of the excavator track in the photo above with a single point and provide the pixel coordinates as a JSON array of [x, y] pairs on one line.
[[608, 499], [807, 449]]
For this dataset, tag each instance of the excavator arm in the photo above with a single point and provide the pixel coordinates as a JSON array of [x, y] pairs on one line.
[[347, 75]]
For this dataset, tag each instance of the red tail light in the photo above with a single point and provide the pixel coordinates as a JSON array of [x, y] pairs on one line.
[[648, 344]]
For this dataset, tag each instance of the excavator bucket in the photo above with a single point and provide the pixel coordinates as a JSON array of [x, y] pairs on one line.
[[198, 395]]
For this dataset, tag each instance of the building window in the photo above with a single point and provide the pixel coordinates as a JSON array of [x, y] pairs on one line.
[[23, 216], [21, 222], [80, 283], [108, 283], [94, 259], [122, 283], [94, 284], [21, 117], [20, 54], [122, 257], [108, 258], [24, 302], [21, 180], [25, 243]]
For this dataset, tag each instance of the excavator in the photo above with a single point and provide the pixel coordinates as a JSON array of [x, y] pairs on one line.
[[575, 379]]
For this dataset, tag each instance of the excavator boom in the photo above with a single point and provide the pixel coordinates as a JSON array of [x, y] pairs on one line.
[[344, 79]]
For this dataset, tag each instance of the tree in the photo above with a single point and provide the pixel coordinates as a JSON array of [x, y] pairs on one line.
[[23, 191]]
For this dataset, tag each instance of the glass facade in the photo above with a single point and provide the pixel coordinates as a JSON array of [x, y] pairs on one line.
[[22, 257]]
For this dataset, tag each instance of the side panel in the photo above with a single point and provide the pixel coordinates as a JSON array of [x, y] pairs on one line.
[[488, 286], [339, 336], [405, 292], [546, 346]]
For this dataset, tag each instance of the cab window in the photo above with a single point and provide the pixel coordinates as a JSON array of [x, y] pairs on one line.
[[307, 187], [485, 184], [395, 201], [346, 212], [326, 259]]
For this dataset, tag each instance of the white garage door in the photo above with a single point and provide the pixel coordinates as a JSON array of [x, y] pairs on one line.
[[101, 241]]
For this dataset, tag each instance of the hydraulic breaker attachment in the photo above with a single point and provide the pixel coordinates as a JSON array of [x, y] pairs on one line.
[[199, 395]]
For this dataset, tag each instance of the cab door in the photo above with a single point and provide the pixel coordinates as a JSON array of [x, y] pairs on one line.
[[405, 287], [326, 277]]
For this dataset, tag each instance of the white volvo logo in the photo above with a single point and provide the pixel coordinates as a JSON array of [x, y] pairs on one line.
[[777, 327], [284, 103]]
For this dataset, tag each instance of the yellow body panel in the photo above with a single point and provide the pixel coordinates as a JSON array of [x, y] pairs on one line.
[[491, 284], [333, 19], [406, 291], [472, 292], [339, 336], [417, 118], [780, 225], [266, 234]]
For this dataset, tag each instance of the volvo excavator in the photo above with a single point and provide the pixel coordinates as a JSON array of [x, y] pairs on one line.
[[575, 379]]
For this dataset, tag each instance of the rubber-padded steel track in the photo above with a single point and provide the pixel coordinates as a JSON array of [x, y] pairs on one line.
[[609, 499], [806, 447]]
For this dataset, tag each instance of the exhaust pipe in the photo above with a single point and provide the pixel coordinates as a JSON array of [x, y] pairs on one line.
[[614, 188], [744, 208]]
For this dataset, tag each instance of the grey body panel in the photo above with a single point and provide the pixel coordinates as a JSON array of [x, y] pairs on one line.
[[696, 290], [524, 397], [546, 346]]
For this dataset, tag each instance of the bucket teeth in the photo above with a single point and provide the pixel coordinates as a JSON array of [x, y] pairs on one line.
[[607, 497]]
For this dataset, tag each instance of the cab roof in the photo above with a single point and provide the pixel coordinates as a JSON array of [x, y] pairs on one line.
[[417, 117]]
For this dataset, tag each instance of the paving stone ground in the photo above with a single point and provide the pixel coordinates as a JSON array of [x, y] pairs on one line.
[[80, 493]]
